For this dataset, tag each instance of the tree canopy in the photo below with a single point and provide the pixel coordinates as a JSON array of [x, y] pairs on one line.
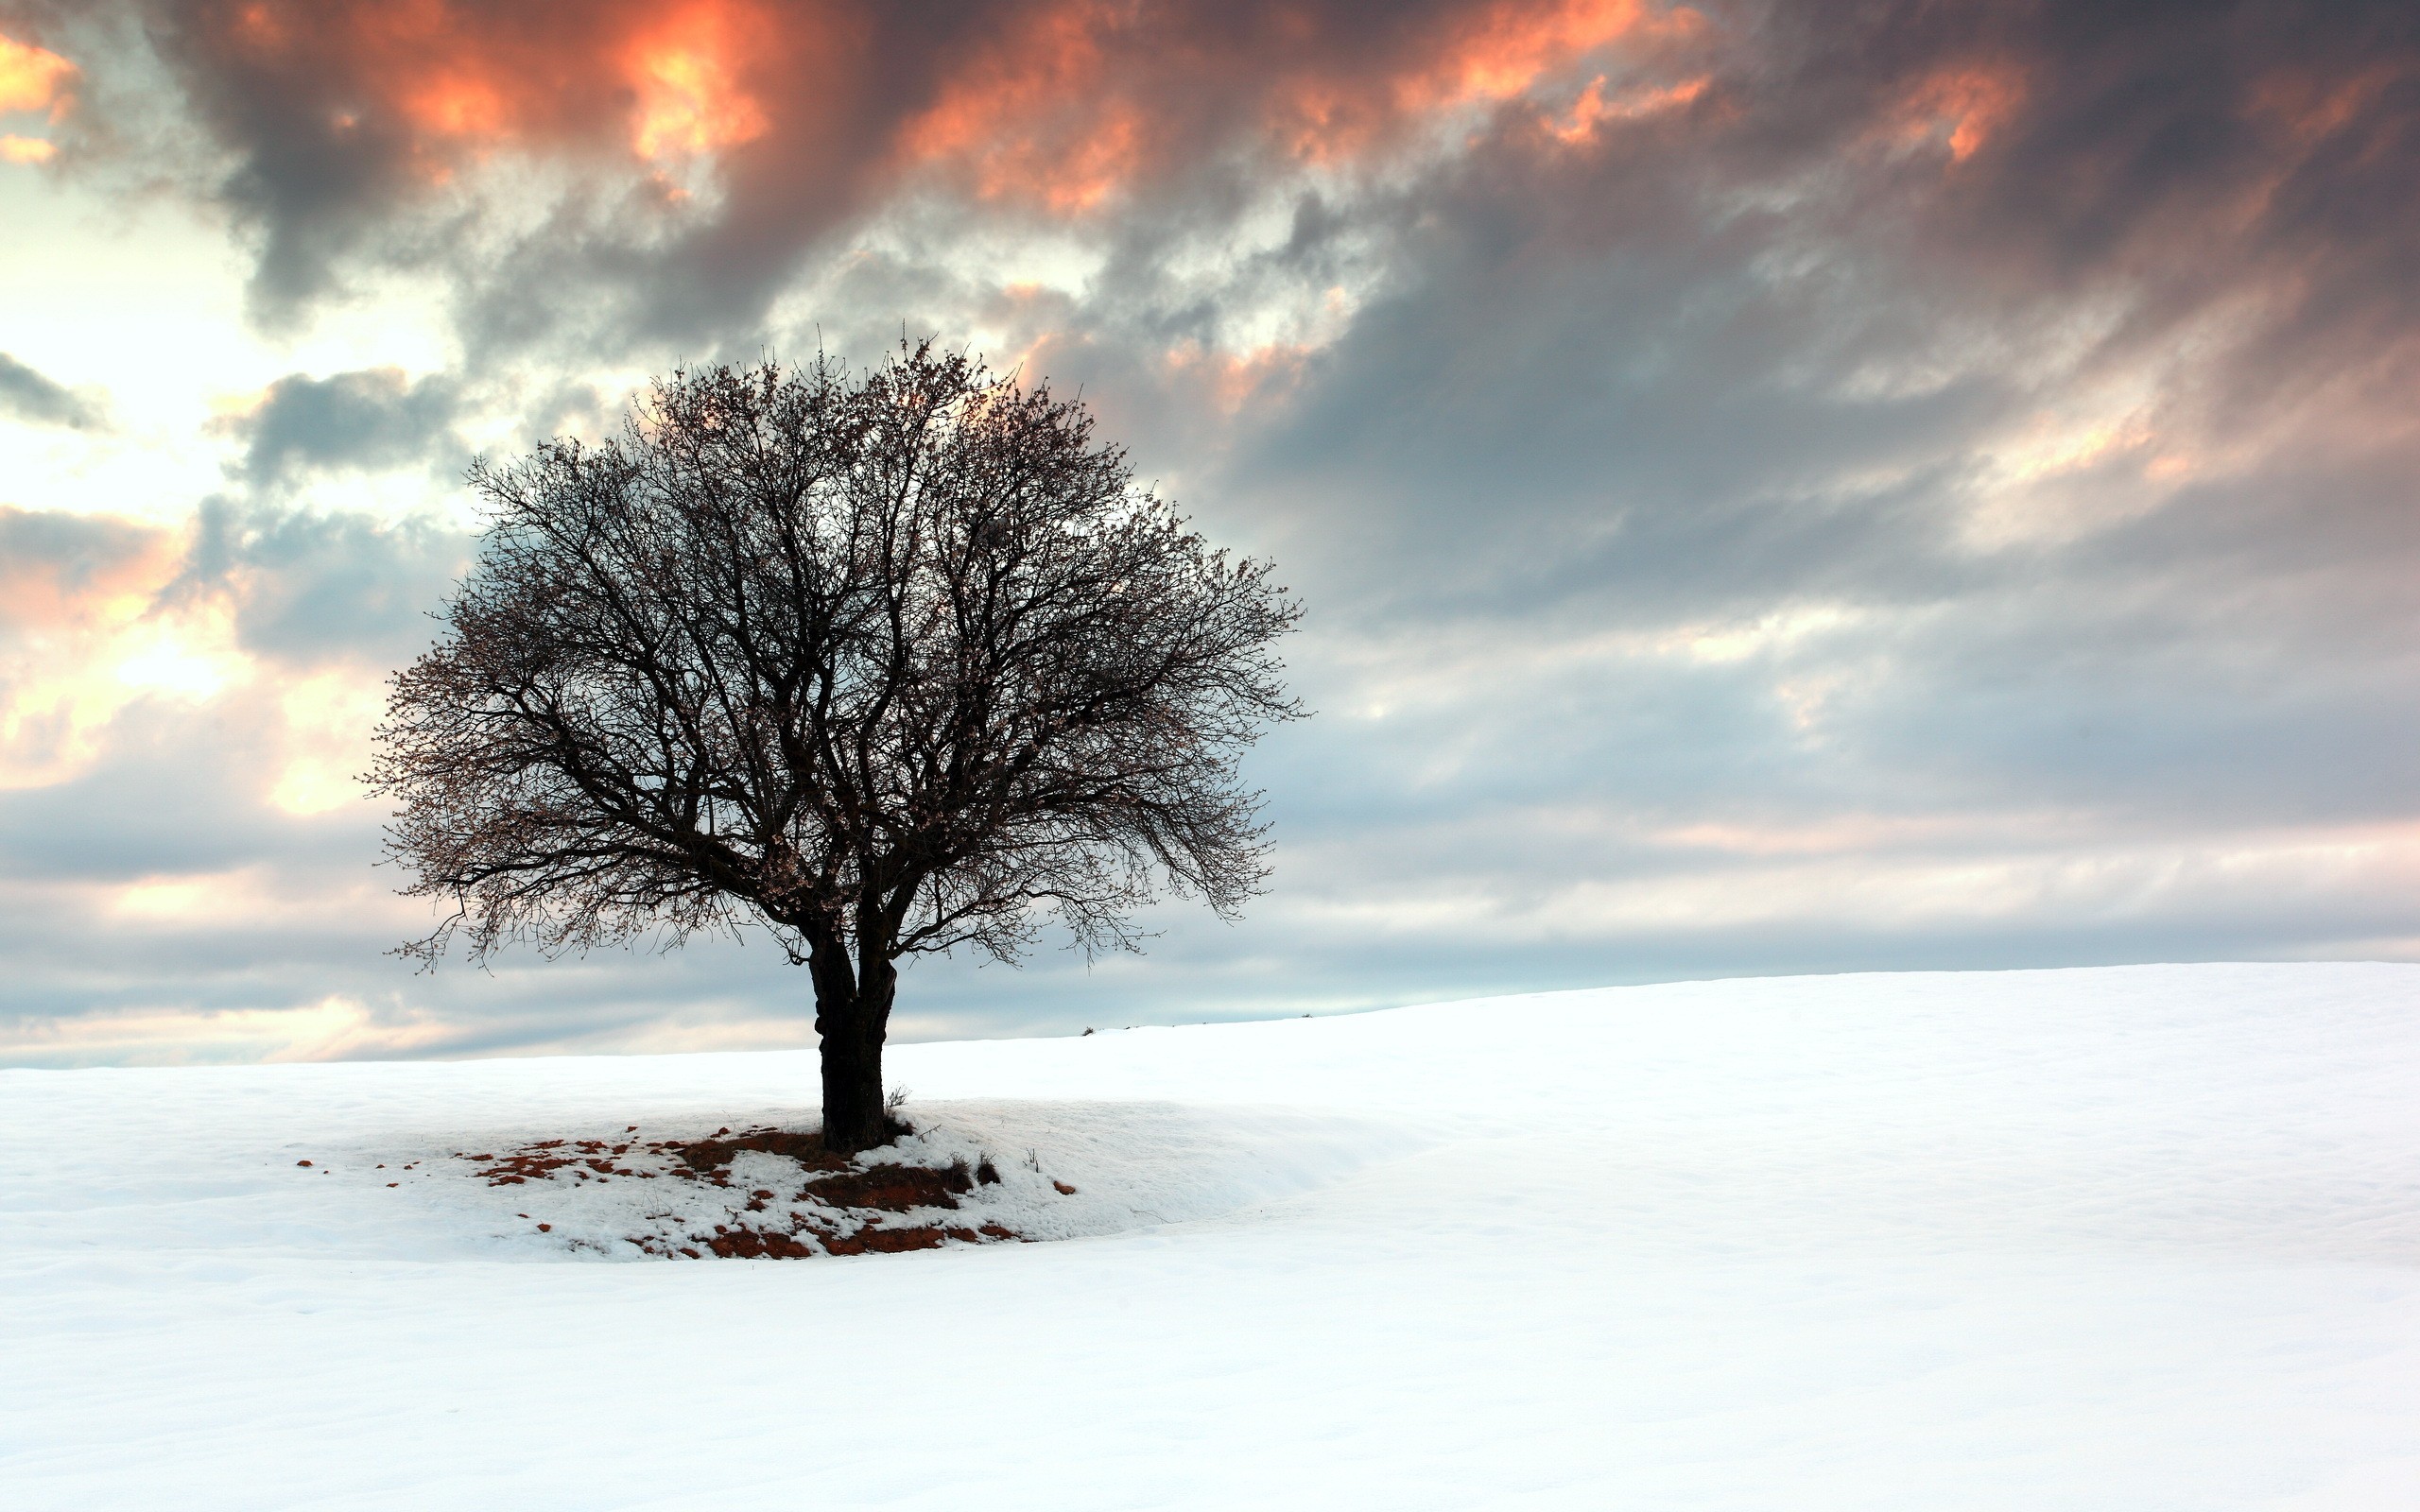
[[884, 663]]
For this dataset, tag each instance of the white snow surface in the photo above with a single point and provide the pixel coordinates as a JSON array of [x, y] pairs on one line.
[[2135, 1238]]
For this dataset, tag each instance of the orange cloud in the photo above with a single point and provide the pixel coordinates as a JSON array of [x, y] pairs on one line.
[[1064, 107], [685, 77], [1960, 107], [458, 86], [467, 79], [1074, 102], [1498, 53], [33, 79], [1508, 47], [1033, 118], [1593, 108]]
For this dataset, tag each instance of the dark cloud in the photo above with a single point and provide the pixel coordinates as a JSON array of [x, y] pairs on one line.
[[2080, 134], [348, 137], [1798, 278], [29, 396], [372, 418]]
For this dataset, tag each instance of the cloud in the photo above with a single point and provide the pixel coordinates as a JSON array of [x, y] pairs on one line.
[[670, 171], [688, 158], [376, 418], [1777, 487], [30, 397], [32, 79], [291, 617], [314, 587], [79, 638]]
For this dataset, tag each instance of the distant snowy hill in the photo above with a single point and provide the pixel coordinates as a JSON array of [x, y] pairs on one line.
[[2113, 1239]]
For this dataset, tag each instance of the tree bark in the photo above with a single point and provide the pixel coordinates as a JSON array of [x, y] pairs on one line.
[[853, 1015]]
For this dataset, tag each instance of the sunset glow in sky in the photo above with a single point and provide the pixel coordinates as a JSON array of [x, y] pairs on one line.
[[1777, 488]]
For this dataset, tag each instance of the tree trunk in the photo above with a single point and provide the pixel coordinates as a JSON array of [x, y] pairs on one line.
[[853, 1014]]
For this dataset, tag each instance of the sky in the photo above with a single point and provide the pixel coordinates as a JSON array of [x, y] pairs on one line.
[[1775, 487]]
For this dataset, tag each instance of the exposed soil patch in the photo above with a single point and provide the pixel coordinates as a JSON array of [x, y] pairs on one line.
[[713, 1154], [586, 1161], [830, 1205], [752, 1244], [891, 1188]]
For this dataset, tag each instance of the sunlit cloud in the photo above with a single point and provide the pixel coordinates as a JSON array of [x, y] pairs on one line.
[[32, 79], [335, 1027], [1595, 107], [1503, 50], [71, 681], [84, 632], [1960, 107], [1470, 57], [1041, 121], [686, 77], [327, 717], [1881, 876]]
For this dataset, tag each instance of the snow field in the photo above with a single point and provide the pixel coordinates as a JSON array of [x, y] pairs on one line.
[[2134, 1238]]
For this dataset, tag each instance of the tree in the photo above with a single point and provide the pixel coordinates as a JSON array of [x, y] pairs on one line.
[[885, 664]]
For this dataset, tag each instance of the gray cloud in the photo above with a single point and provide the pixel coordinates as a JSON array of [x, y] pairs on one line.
[[30, 397], [314, 587], [376, 418]]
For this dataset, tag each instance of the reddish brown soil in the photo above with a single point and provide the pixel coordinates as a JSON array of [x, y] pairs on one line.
[[891, 1188], [588, 1159], [747, 1244], [895, 1241], [853, 1197], [707, 1156]]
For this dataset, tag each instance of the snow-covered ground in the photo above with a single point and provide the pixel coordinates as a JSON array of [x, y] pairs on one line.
[[2127, 1238]]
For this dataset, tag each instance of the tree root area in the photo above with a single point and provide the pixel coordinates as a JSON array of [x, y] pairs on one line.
[[840, 1205]]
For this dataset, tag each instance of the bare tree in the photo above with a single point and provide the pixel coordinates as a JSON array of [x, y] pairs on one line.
[[885, 663]]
